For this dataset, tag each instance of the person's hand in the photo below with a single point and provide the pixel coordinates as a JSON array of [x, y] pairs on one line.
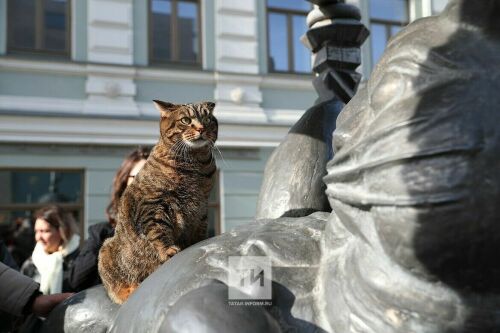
[[43, 304]]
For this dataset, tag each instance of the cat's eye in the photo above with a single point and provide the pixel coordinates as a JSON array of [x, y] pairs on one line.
[[206, 120], [186, 120]]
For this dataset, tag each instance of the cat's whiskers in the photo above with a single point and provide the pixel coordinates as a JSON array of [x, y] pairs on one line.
[[174, 149], [178, 150], [212, 154], [211, 150], [220, 153], [187, 156], [186, 153]]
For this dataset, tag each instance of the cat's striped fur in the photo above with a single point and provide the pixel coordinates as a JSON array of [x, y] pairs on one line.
[[165, 209]]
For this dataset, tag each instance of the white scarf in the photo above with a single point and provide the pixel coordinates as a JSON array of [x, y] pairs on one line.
[[50, 266]]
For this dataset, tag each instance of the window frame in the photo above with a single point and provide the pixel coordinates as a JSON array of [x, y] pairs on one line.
[[289, 13], [217, 204], [175, 49], [33, 207], [388, 24], [436, 12], [39, 32]]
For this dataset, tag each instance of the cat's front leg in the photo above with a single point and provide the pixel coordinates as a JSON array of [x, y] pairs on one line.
[[160, 233]]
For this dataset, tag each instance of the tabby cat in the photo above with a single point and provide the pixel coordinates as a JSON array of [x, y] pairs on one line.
[[165, 209]]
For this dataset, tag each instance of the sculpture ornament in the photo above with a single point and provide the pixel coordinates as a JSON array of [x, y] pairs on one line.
[[412, 240], [334, 37]]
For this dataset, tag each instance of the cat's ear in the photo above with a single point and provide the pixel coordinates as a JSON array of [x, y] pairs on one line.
[[210, 106], [164, 107]]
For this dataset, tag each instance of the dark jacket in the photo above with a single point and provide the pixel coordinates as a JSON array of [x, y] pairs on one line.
[[6, 257], [16, 290], [29, 269], [84, 273]]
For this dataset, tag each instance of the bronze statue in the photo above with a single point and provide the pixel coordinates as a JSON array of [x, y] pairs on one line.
[[411, 242]]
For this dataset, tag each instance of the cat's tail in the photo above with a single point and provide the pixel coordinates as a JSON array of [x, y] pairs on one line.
[[111, 274]]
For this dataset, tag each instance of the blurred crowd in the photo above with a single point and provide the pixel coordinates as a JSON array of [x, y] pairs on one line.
[[44, 260]]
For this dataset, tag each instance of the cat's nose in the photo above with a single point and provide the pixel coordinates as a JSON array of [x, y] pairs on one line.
[[200, 129]]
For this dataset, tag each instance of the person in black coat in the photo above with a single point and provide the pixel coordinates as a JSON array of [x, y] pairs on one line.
[[84, 272], [20, 295]]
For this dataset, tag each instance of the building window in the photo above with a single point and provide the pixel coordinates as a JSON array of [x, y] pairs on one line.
[[286, 22], [174, 31], [438, 6], [39, 26], [214, 209], [24, 191], [387, 17]]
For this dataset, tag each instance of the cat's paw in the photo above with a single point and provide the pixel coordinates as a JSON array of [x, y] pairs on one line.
[[121, 294], [169, 253]]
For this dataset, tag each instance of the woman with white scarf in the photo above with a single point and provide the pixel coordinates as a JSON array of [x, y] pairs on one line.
[[57, 245]]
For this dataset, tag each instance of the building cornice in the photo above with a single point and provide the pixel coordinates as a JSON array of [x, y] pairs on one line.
[[243, 122], [24, 106], [42, 66], [103, 131], [282, 81]]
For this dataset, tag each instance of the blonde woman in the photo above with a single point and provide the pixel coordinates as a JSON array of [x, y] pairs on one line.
[[57, 245]]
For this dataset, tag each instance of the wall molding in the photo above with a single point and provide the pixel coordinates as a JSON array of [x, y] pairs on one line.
[[45, 106], [111, 91], [41, 66], [294, 82], [40, 105], [103, 131]]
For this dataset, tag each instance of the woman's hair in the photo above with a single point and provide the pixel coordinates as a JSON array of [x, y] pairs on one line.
[[60, 219], [120, 180]]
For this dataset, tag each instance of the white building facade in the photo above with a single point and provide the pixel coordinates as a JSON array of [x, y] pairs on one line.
[[77, 78]]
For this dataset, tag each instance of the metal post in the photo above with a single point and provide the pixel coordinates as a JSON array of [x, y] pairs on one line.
[[335, 36]]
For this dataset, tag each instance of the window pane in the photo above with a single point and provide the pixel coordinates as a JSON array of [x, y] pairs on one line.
[[188, 31], [438, 6], [9, 217], [395, 29], [161, 25], [28, 187], [379, 40], [278, 42], [55, 25], [301, 55], [290, 4], [21, 20], [25, 191], [394, 10]]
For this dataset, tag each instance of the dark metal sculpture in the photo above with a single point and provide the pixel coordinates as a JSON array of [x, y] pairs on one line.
[[412, 241], [89, 311], [335, 36]]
